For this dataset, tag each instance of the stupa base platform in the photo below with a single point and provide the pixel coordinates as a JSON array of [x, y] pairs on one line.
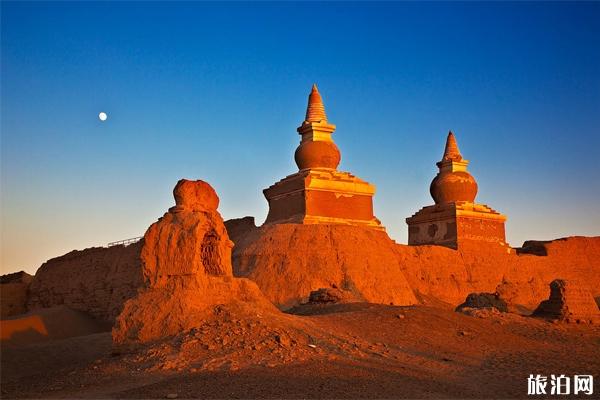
[[452, 224], [322, 196]]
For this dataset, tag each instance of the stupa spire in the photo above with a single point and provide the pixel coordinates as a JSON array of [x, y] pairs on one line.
[[451, 152], [315, 111]]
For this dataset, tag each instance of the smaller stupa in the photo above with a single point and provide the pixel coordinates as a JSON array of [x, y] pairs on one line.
[[318, 193], [455, 218]]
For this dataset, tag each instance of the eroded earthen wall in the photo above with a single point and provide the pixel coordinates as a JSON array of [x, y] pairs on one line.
[[96, 280], [13, 293], [288, 262], [13, 299], [521, 279]]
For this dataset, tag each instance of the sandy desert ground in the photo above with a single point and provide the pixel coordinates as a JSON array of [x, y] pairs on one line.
[[321, 351]]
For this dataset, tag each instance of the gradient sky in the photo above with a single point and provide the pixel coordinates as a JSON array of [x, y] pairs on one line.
[[216, 91]]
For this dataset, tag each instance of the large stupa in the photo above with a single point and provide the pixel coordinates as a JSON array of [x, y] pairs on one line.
[[455, 218], [318, 193]]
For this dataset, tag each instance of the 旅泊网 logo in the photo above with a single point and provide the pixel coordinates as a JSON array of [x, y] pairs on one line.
[[560, 385]]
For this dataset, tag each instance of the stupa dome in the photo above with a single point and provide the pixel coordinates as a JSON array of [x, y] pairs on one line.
[[319, 154], [448, 187]]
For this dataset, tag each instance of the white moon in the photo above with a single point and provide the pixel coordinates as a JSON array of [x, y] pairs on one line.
[[102, 116]]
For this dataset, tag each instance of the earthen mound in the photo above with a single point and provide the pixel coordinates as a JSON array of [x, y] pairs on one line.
[[186, 264], [568, 302], [289, 261]]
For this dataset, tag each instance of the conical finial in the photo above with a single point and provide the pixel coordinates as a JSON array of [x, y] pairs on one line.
[[451, 152], [315, 111]]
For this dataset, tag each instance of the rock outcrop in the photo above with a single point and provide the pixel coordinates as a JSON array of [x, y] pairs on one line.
[[13, 293], [97, 281], [289, 261], [568, 302], [331, 295], [186, 264], [484, 300]]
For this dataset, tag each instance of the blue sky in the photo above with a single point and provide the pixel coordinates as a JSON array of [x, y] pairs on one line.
[[214, 91]]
